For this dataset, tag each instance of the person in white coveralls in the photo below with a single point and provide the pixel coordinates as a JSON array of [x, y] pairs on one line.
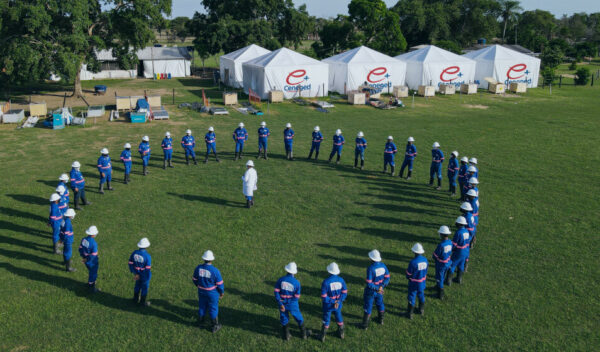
[[249, 179]]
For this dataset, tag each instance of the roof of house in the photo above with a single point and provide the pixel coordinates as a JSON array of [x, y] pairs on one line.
[[150, 53]]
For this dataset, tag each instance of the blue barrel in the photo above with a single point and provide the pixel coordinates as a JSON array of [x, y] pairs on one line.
[[169, 75], [100, 89]]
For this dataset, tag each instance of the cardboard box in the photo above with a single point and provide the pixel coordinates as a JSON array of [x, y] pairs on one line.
[[518, 87], [447, 89], [123, 103], [400, 91], [230, 98], [496, 88], [276, 96], [154, 101], [357, 98], [470, 88], [427, 91]]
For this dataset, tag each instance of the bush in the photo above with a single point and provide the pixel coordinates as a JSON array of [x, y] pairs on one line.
[[549, 75], [450, 46], [573, 66], [583, 76]]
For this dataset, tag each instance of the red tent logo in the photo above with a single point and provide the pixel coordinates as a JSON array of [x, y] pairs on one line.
[[516, 69], [448, 72], [296, 77], [377, 73]]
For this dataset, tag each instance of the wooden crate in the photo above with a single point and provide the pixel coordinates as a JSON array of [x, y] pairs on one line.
[[275, 96], [401, 91], [37, 109], [154, 101], [123, 103], [496, 88], [133, 100], [447, 89], [470, 88], [427, 91], [357, 98], [518, 87], [230, 98]]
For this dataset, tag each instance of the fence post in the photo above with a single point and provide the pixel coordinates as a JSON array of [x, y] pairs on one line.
[[173, 96], [560, 82], [592, 81]]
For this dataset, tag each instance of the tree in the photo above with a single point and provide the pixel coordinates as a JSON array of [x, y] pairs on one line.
[[552, 56], [535, 29], [178, 28], [509, 10], [582, 76], [294, 25], [450, 46], [336, 36]]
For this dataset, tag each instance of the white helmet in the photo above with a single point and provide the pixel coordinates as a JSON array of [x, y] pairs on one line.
[[461, 220], [333, 269], [473, 181], [104, 151], [263, 124], [418, 249], [143, 243], [63, 177], [241, 125], [250, 163], [127, 146], [436, 145], [390, 138], [375, 255], [211, 129], [92, 231], [317, 128], [455, 153], [188, 131], [76, 164], [288, 125], [338, 132], [291, 268], [360, 134], [208, 256], [54, 197], [61, 190], [70, 213], [444, 230], [411, 139], [473, 161], [466, 206], [472, 169], [146, 139], [464, 159], [472, 193], [168, 134]]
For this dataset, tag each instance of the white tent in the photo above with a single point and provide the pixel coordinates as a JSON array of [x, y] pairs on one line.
[[231, 64], [431, 65], [288, 71], [350, 69], [505, 65], [168, 60]]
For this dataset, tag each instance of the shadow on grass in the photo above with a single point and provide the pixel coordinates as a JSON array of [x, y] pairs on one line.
[[52, 184], [23, 214], [32, 258], [9, 226], [210, 200], [363, 252], [26, 244], [29, 199], [395, 235]]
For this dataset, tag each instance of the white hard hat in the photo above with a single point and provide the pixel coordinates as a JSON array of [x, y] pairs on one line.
[[461, 220], [70, 213], [473, 161], [92, 231], [466, 206], [360, 134], [444, 230], [63, 177], [143, 243], [76, 164], [288, 125], [211, 129], [167, 134], [333, 269], [411, 139], [146, 139], [188, 131], [418, 249], [250, 163], [472, 193], [264, 124], [54, 197], [61, 190], [127, 146], [474, 181], [455, 153], [464, 159], [241, 125], [436, 145], [375, 255], [317, 128], [104, 151], [472, 169], [208, 255], [390, 138], [291, 268], [338, 132]]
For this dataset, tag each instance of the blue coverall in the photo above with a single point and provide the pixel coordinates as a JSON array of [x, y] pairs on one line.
[[210, 287], [452, 170], [338, 144], [359, 150], [126, 159], [55, 220], [144, 150], [417, 275], [167, 147], [105, 169], [288, 139], [463, 178], [240, 135], [460, 249], [78, 186], [333, 290], [409, 157], [378, 276], [388, 154], [88, 250], [317, 138], [437, 158], [287, 294], [211, 143], [67, 194], [63, 203], [140, 263], [66, 236], [263, 137], [442, 257], [189, 143]]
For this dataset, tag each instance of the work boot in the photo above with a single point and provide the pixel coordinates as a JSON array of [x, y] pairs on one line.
[[341, 331], [108, 185], [77, 207], [448, 279], [305, 333], [136, 297], [285, 332], [206, 159], [265, 155], [380, 317], [92, 288], [56, 250], [145, 170], [355, 162], [430, 181], [235, 158], [393, 168], [323, 333], [338, 160], [125, 179], [409, 175], [441, 294], [439, 184], [187, 160], [258, 155], [362, 164], [316, 155], [252, 202], [195, 162], [171, 164], [215, 325], [101, 188], [467, 263], [85, 202], [248, 203], [291, 155], [309, 155], [365, 322], [330, 157], [458, 278], [409, 311], [422, 307], [164, 164], [68, 267], [216, 157], [143, 301], [241, 152]]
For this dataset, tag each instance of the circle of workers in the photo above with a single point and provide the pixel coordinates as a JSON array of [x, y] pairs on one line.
[[450, 256]]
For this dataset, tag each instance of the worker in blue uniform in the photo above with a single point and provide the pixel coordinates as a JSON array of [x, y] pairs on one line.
[[473, 199], [105, 170], [88, 250], [263, 138], [453, 172], [473, 162], [167, 147], [288, 141], [417, 276], [211, 144], [78, 185], [463, 176], [442, 259], [240, 136], [287, 294], [378, 277], [188, 143], [460, 251], [435, 170], [409, 158], [338, 144], [210, 289], [359, 150], [144, 150], [140, 265], [127, 161], [317, 138], [63, 203], [55, 221], [62, 181], [66, 237], [389, 153], [333, 294]]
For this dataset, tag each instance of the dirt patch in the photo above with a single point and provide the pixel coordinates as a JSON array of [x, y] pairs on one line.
[[507, 95], [481, 107]]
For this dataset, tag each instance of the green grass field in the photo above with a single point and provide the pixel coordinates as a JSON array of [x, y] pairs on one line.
[[532, 284]]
